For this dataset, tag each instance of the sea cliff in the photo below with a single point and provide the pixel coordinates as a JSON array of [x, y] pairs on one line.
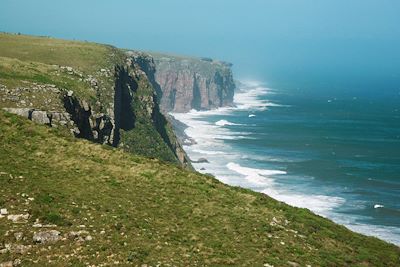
[[118, 194], [96, 92], [193, 83]]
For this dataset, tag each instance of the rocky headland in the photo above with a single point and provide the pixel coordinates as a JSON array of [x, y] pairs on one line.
[[193, 83], [123, 193], [113, 102]]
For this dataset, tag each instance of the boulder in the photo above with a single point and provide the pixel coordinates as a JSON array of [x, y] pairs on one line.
[[16, 248], [201, 160], [18, 236], [85, 105], [18, 217], [45, 237], [40, 117], [24, 112]]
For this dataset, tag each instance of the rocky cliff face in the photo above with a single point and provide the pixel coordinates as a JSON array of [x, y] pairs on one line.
[[114, 105], [139, 124], [190, 83]]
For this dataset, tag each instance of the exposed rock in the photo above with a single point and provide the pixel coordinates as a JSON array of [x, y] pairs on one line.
[[85, 105], [18, 218], [16, 248], [39, 225], [134, 99], [80, 236], [40, 117], [293, 264], [45, 237], [18, 236], [24, 112], [3, 212], [189, 83], [145, 69], [201, 160], [7, 264]]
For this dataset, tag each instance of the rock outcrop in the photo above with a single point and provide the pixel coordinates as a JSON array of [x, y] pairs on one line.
[[117, 106], [191, 83], [45, 237], [139, 124]]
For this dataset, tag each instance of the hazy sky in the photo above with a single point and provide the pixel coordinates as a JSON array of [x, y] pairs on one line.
[[304, 41]]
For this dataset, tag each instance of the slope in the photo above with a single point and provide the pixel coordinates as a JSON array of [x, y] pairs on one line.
[[108, 207]]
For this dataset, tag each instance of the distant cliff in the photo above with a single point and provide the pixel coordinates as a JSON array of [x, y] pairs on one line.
[[192, 83]]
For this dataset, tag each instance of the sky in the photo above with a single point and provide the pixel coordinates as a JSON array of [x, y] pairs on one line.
[[320, 43]]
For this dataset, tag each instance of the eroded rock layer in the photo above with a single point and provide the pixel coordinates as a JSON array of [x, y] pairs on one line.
[[191, 83], [112, 101]]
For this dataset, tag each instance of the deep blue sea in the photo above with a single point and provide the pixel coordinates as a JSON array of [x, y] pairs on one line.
[[336, 153]]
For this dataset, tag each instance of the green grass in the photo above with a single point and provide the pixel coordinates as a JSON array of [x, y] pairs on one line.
[[29, 59], [16, 73], [177, 62], [85, 56], [28, 62], [154, 213]]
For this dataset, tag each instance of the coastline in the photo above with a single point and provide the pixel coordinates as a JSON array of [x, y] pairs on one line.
[[209, 133]]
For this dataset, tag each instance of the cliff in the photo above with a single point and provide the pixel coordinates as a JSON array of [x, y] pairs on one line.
[[193, 83], [80, 202], [94, 91]]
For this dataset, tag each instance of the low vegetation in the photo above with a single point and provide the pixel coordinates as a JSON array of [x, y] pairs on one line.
[[107, 207]]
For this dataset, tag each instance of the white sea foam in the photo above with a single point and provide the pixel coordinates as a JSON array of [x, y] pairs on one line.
[[210, 144], [255, 176], [250, 99], [377, 206], [320, 204], [388, 233], [225, 123], [209, 152], [267, 158], [252, 171], [227, 164]]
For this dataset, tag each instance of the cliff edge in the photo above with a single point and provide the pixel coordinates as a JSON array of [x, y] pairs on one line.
[[94, 91], [193, 83]]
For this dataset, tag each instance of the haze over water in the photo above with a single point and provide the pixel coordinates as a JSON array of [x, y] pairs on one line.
[[325, 91]]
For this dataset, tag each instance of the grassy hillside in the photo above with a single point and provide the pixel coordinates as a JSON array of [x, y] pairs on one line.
[[25, 60], [133, 211], [38, 73], [85, 56]]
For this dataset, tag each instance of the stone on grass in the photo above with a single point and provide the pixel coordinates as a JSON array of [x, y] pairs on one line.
[[16, 218], [18, 236], [7, 264], [45, 237], [40, 117]]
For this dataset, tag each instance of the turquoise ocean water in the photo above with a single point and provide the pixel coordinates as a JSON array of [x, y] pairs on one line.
[[337, 154]]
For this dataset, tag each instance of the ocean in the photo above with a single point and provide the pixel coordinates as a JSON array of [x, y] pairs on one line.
[[336, 153]]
